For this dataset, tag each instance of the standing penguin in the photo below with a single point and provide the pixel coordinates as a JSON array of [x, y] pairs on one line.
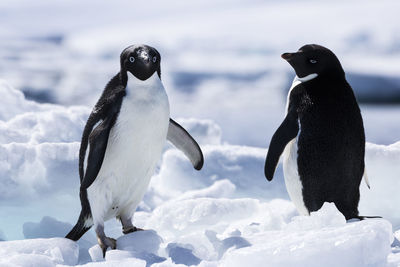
[[322, 136], [122, 142]]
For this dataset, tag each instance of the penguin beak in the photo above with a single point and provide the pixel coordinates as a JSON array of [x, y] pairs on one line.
[[287, 56]]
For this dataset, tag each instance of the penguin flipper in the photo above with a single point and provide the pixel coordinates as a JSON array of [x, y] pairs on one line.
[[182, 140], [98, 139], [283, 135]]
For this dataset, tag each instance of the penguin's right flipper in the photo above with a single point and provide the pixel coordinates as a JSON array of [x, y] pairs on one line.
[[285, 133], [98, 140], [288, 130], [180, 138], [97, 129], [85, 220]]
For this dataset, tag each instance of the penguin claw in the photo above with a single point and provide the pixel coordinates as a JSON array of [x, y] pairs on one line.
[[131, 230], [108, 243]]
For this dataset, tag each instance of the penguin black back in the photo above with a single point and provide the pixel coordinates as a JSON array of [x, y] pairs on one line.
[[331, 146], [325, 121]]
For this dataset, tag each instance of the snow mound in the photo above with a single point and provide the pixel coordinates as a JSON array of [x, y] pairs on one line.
[[229, 171], [332, 243], [143, 245], [38, 252], [38, 146]]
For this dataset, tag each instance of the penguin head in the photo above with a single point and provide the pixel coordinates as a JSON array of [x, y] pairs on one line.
[[314, 59], [140, 60]]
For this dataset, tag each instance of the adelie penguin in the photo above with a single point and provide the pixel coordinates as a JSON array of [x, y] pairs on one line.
[[322, 136], [122, 142]]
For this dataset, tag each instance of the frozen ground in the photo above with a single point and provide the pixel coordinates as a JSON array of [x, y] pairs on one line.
[[223, 74], [225, 215]]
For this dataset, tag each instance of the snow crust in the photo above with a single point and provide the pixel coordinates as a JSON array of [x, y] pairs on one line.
[[38, 252], [225, 215]]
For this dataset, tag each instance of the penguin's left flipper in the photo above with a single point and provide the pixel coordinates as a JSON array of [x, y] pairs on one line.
[[98, 139], [180, 138]]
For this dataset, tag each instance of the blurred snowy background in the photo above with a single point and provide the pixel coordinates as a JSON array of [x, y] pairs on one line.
[[223, 73]]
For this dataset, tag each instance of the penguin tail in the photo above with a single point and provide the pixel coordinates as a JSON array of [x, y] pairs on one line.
[[83, 224]]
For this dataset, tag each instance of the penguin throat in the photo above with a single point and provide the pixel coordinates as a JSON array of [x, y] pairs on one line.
[[150, 82], [307, 78], [144, 89]]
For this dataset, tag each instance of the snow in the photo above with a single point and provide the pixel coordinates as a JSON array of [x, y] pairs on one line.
[[38, 252], [227, 86], [325, 240], [225, 215]]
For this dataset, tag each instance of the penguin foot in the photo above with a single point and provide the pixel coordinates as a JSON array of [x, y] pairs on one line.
[[131, 230], [107, 242]]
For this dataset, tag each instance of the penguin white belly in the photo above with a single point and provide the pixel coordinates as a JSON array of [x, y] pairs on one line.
[[292, 178], [133, 150]]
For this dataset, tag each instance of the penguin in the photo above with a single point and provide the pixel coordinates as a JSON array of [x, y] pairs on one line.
[[122, 143], [321, 137]]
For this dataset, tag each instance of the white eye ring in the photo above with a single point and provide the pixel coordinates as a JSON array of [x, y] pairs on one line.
[[313, 61], [154, 59], [132, 59]]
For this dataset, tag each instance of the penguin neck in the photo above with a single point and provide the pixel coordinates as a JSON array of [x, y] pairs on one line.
[[307, 78], [297, 80], [143, 89]]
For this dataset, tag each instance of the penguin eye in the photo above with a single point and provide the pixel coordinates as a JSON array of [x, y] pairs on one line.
[[132, 59], [313, 61], [154, 59]]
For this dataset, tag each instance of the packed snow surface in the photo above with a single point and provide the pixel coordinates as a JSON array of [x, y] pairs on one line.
[[225, 215]]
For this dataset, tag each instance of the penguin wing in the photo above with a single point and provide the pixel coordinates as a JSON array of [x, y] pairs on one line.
[[180, 138], [98, 140], [97, 130], [284, 134]]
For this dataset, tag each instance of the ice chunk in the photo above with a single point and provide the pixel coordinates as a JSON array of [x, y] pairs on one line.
[[142, 245], [31, 252]]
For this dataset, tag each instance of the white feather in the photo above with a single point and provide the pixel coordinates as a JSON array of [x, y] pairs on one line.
[[307, 78], [88, 222], [290, 170], [134, 147], [366, 178]]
